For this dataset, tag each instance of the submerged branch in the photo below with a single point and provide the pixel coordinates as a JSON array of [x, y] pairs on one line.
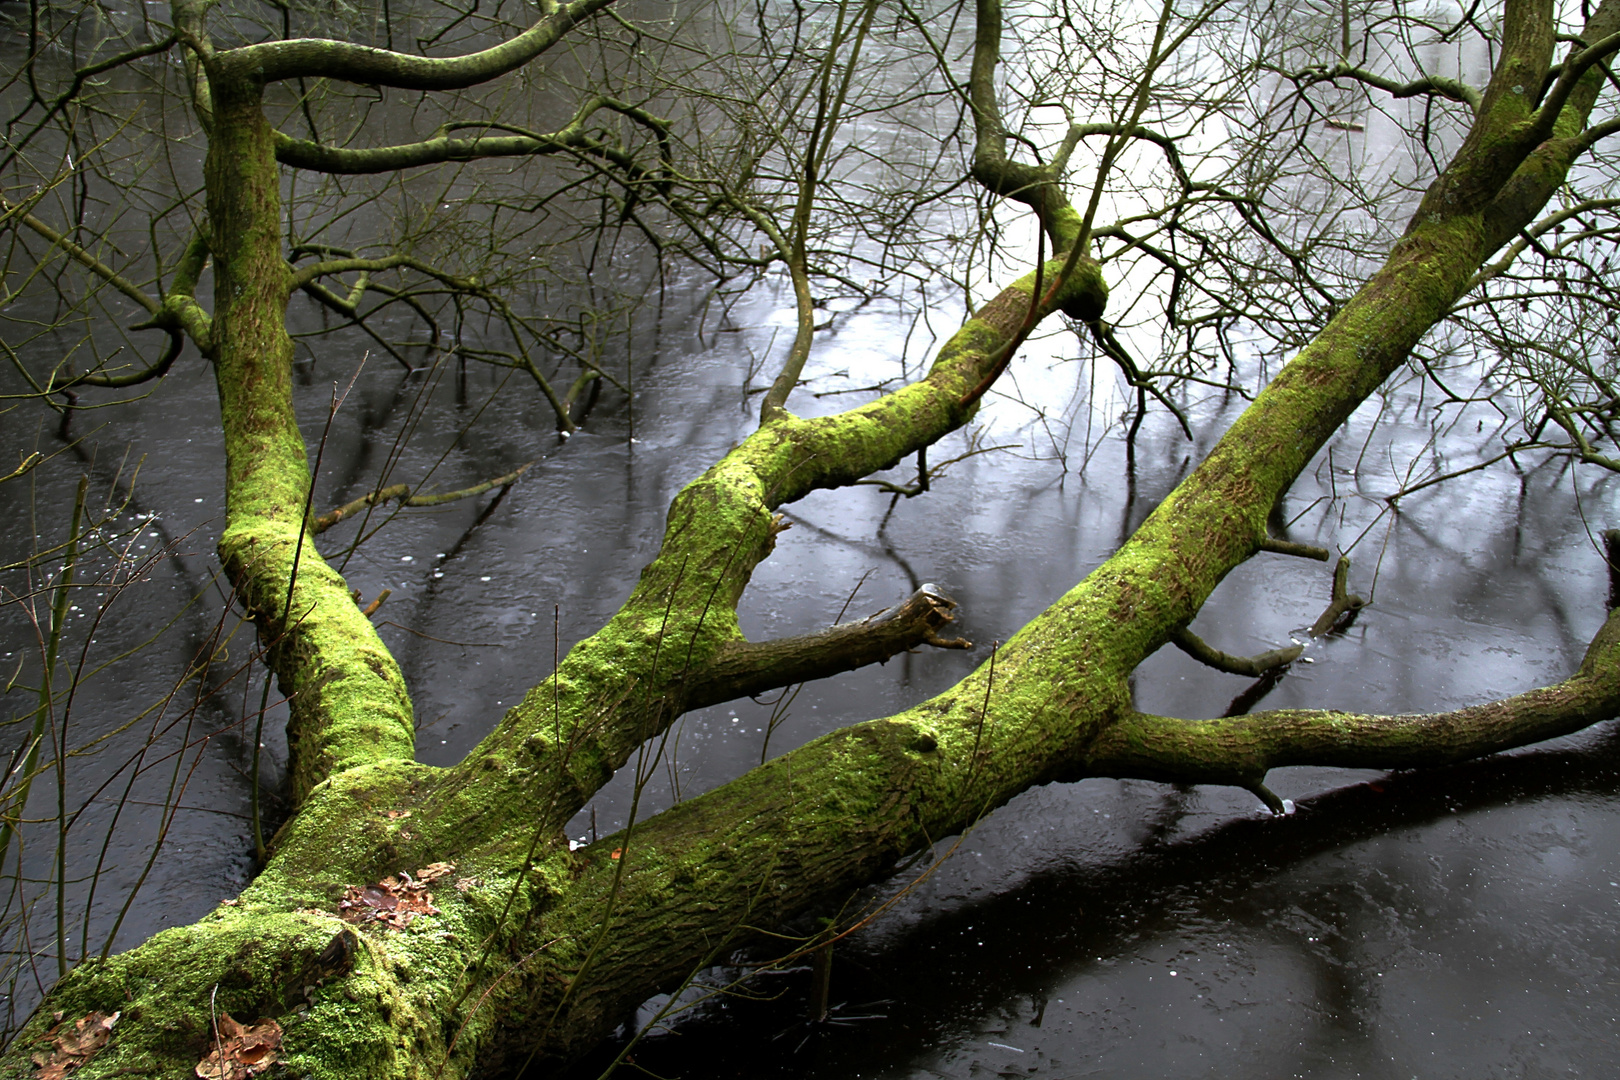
[[1342, 603], [402, 493]]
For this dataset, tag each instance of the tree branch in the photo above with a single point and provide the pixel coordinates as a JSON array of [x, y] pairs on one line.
[[1239, 750], [15, 145], [303, 277], [317, 58], [747, 668], [402, 492], [83, 257], [441, 147], [1252, 666], [1574, 68], [1035, 186], [1438, 85], [1289, 547]]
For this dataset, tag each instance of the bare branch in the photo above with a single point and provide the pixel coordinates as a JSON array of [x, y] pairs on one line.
[[1289, 547], [744, 669], [82, 256], [1252, 666], [315, 58], [1240, 750], [1436, 85]]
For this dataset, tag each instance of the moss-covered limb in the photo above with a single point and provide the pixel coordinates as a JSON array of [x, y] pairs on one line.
[[383, 1004], [348, 701], [1239, 750], [1510, 124], [1518, 201], [246, 962], [1503, 130], [313, 58], [1216, 518], [831, 814], [626, 683], [1058, 683], [745, 668], [798, 834], [303, 154]]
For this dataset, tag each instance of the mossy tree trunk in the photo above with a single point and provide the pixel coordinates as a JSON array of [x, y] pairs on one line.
[[540, 951]]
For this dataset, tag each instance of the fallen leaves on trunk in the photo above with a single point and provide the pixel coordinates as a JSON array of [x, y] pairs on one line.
[[240, 1052], [73, 1047], [395, 900]]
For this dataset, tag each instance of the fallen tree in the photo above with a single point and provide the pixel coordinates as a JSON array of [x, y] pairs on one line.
[[417, 921]]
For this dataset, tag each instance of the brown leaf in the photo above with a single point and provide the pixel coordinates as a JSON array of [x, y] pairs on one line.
[[240, 1052], [395, 900], [72, 1047], [379, 896]]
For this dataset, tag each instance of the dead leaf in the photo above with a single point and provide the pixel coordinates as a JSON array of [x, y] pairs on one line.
[[240, 1052], [75, 1046], [395, 815], [395, 900]]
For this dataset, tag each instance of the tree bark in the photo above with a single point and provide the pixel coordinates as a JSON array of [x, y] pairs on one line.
[[347, 699]]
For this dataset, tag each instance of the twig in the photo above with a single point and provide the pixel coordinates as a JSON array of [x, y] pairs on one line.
[[402, 492], [1343, 602]]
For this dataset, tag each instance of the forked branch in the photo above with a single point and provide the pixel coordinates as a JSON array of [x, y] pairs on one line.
[[1239, 750]]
